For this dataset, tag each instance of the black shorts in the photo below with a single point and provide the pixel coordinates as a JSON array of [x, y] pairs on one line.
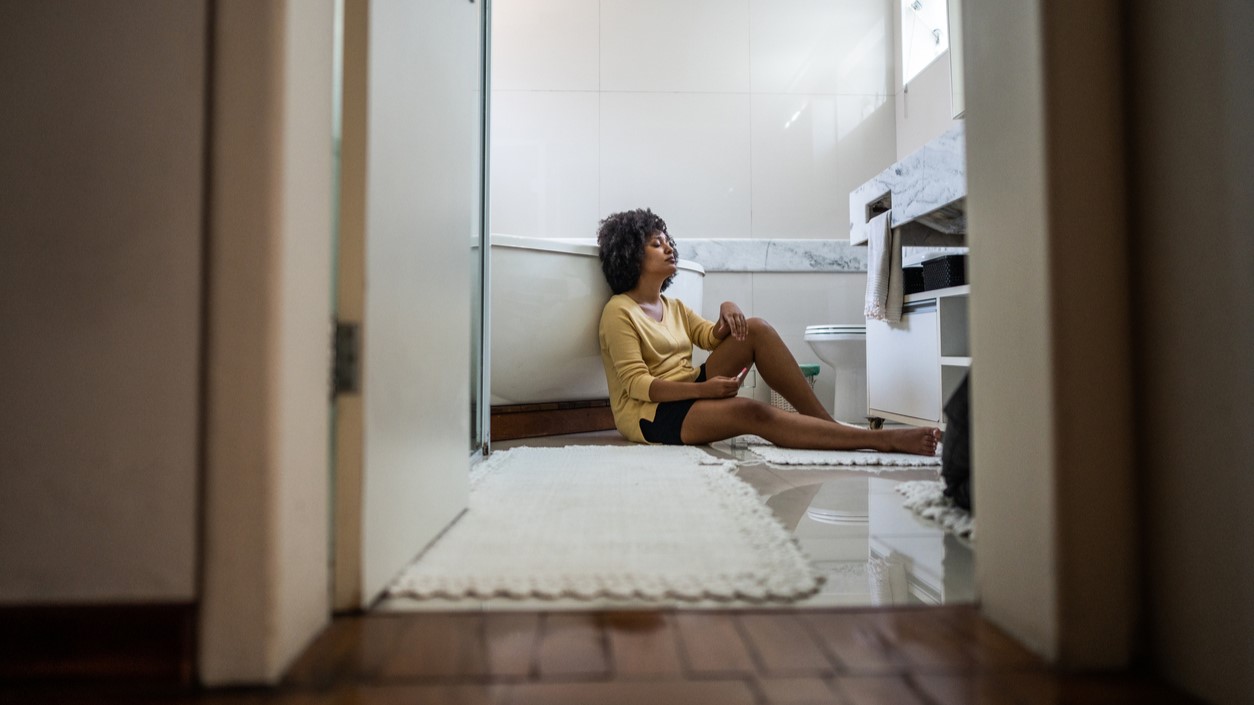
[[668, 421]]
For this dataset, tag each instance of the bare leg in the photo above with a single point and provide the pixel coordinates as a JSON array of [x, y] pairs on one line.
[[712, 420], [775, 363]]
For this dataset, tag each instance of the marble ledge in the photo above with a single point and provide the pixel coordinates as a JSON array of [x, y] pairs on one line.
[[928, 187], [774, 255]]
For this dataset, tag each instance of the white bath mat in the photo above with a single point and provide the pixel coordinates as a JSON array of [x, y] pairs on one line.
[[844, 458], [594, 522], [927, 499]]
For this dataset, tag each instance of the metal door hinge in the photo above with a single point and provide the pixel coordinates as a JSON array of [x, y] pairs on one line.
[[346, 365]]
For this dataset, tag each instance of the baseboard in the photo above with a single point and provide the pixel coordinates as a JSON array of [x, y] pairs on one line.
[[151, 643], [550, 419]]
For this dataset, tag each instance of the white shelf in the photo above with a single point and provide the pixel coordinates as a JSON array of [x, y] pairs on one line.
[[914, 366], [963, 290]]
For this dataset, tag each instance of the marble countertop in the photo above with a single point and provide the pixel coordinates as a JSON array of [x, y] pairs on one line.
[[748, 255], [927, 189], [774, 255]]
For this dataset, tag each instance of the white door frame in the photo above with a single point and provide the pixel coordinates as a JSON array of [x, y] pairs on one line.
[[263, 587]]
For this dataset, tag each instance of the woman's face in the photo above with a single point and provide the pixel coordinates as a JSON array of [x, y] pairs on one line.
[[659, 255]]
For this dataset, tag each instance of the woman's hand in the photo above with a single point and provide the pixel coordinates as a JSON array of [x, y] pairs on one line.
[[720, 387], [731, 320]]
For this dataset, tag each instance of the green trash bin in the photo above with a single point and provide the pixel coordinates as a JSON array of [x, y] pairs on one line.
[[810, 372]]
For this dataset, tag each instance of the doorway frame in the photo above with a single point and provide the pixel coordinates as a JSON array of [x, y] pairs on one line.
[[1035, 567]]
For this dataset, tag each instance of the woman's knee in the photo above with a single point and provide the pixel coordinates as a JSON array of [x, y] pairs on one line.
[[718, 418], [750, 410], [759, 326]]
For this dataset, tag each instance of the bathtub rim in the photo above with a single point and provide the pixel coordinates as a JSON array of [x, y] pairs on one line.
[[580, 247]]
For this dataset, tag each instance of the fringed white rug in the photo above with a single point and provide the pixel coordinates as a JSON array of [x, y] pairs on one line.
[[927, 499], [845, 458], [588, 522]]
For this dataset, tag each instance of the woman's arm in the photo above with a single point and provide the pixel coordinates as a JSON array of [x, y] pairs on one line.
[[713, 388]]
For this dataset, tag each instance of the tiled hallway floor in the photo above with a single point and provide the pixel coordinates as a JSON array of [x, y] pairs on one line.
[[871, 551], [939, 656], [897, 656]]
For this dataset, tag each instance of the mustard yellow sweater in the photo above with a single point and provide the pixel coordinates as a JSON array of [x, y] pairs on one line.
[[636, 350]]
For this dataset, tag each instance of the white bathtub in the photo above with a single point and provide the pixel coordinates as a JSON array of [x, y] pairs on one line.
[[547, 297]]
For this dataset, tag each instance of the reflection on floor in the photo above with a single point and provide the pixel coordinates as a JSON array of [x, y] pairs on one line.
[[870, 549]]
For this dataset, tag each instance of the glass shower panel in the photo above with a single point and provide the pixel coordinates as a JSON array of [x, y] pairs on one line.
[[480, 251]]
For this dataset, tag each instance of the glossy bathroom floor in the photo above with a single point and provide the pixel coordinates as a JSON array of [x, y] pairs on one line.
[[871, 551]]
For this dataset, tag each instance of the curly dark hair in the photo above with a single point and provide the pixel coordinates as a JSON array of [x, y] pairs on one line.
[[621, 238]]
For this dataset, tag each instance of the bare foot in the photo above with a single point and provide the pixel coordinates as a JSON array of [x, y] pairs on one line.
[[919, 441]]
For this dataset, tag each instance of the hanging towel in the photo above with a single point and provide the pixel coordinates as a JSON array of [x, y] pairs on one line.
[[896, 280], [878, 265], [884, 280]]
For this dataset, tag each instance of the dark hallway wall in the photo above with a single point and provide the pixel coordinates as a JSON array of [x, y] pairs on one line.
[[101, 168], [1192, 160]]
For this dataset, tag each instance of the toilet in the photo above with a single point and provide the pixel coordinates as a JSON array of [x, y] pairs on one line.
[[843, 347]]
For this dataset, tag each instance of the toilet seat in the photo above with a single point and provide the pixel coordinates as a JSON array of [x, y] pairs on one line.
[[835, 331]]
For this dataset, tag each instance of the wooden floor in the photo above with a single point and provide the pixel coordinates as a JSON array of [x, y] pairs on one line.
[[933, 656]]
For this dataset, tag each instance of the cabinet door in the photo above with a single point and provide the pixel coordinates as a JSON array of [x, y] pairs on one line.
[[903, 364]]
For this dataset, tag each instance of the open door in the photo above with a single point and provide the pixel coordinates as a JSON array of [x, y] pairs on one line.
[[410, 204]]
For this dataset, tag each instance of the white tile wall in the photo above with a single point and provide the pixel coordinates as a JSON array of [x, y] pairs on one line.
[[795, 166], [867, 126], [821, 46], [727, 286], [685, 155], [661, 45], [791, 301], [544, 163], [545, 45], [693, 99], [809, 152]]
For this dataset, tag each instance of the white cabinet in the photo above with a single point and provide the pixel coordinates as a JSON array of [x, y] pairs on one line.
[[902, 364], [914, 365]]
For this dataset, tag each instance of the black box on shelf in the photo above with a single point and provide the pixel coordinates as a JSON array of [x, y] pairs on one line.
[[912, 280], [944, 272]]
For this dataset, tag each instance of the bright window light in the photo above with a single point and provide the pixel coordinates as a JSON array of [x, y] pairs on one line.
[[924, 34]]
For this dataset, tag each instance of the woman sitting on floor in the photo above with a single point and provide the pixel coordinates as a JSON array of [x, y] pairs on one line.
[[658, 396]]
